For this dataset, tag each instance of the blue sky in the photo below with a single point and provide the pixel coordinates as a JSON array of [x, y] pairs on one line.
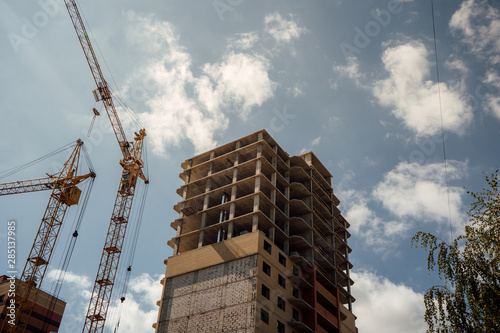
[[353, 81]]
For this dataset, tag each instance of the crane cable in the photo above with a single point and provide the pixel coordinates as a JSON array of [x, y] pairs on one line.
[[71, 241], [68, 251], [442, 126], [117, 97], [10, 172], [130, 250], [132, 243]]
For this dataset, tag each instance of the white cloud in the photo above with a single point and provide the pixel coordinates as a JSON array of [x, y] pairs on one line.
[[479, 24], [316, 141], [351, 70], [185, 107], [296, 90], [149, 287], [370, 162], [381, 303], [458, 65], [413, 194], [492, 99], [243, 41], [282, 30], [378, 234], [80, 287], [240, 78], [414, 98], [81, 282], [412, 190], [139, 311], [408, 91]]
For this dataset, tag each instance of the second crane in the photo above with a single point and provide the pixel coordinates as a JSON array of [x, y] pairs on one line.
[[132, 169]]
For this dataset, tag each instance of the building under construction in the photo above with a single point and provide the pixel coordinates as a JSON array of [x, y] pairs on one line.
[[260, 246], [46, 310]]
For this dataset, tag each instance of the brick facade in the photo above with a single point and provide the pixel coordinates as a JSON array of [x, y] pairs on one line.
[[215, 299]]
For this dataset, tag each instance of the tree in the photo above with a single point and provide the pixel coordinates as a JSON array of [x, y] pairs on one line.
[[469, 300]]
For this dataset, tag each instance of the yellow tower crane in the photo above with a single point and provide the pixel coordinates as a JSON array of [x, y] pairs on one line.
[[65, 193], [132, 169]]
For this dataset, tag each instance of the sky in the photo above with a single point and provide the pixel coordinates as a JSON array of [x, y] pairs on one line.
[[354, 81]]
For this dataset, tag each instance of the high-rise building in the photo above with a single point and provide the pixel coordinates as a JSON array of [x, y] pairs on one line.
[[260, 246], [45, 317]]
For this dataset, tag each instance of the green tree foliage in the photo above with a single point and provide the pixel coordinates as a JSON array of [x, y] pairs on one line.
[[469, 300]]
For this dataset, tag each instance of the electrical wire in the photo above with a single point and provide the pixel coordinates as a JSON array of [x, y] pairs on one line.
[[441, 113]]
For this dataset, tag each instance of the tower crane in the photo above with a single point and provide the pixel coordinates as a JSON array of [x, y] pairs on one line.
[[65, 193], [132, 169]]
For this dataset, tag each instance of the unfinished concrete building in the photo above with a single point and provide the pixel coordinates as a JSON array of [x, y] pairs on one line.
[[47, 312], [260, 246]]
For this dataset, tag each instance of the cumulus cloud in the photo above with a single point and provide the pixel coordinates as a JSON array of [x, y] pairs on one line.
[[408, 91], [413, 194], [137, 314], [81, 282], [492, 99], [381, 303], [414, 98], [243, 41], [281, 29], [77, 300], [416, 191], [140, 311], [240, 78], [183, 106], [296, 90], [478, 22], [377, 233], [351, 70]]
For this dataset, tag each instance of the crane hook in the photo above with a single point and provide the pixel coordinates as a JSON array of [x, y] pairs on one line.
[[96, 113]]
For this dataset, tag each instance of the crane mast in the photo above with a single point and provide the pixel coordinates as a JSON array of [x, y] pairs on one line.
[[132, 165], [64, 194]]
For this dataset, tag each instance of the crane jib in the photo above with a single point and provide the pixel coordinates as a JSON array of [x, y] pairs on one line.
[[132, 170]]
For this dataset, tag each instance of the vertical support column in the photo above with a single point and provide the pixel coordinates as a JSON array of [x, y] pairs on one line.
[[176, 246], [232, 210], [183, 205], [255, 223], [273, 198], [260, 136], [286, 243], [206, 199], [256, 200], [347, 268], [287, 211], [234, 189], [287, 194], [200, 238], [190, 165]]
